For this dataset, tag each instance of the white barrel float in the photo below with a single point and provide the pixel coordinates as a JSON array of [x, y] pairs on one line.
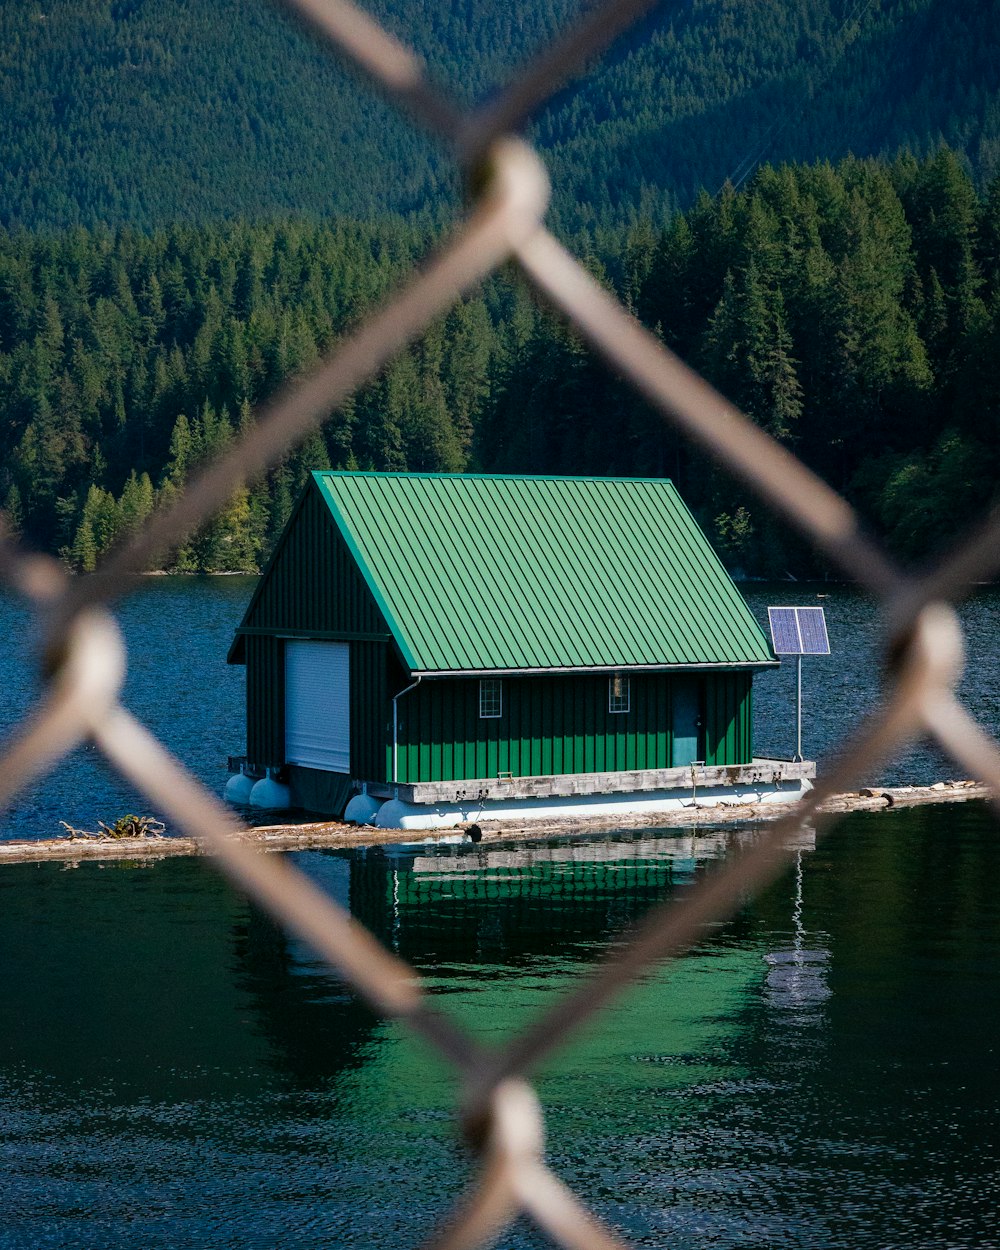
[[271, 795], [362, 809], [238, 789], [398, 814]]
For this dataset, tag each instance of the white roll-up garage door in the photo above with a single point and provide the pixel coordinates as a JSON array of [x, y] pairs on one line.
[[318, 705]]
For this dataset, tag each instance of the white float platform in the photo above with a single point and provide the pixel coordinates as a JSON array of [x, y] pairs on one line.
[[447, 805]]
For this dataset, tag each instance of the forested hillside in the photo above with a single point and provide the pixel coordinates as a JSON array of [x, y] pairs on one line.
[[147, 112], [853, 311], [708, 89]]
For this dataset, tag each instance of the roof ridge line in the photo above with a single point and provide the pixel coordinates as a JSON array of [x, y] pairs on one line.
[[490, 477]]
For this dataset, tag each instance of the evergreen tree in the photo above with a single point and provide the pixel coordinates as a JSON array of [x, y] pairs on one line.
[[12, 513], [84, 551]]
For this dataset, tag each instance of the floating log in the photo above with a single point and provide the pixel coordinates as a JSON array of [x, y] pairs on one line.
[[335, 834]]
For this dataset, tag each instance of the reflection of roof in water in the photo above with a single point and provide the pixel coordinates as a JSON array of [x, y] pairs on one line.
[[665, 1037]]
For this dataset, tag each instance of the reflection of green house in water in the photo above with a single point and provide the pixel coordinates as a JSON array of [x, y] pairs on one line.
[[485, 645], [506, 930], [535, 897]]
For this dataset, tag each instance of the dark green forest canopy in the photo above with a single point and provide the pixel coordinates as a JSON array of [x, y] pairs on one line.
[[853, 311], [146, 112]]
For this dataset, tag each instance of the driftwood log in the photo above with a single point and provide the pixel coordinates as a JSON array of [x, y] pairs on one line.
[[128, 826]]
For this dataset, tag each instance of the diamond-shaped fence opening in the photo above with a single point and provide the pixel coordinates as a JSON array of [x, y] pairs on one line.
[[86, 662]]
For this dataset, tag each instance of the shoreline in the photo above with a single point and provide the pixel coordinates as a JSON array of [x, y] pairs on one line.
[[334, 835]]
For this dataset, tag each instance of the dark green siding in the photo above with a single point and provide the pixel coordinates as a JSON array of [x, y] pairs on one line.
[[561, 725], [313, 584], [549, 724], [265, 702], [728, 719], [371, 711]]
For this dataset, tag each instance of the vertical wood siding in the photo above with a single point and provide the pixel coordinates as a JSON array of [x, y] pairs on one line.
[[313, 582], [371, 711], [728, 719], [562, 725], [265, 702]]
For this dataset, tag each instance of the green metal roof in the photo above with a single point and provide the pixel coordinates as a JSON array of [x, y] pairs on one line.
[[482, 573]]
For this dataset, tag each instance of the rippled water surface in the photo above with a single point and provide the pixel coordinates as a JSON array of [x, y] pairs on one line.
[[822, 1072], [178, 631]]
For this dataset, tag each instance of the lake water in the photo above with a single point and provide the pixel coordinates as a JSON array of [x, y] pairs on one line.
[[175, 1072], [178, 630]]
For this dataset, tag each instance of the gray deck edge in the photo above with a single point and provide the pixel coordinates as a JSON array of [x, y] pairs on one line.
[[761, 772]]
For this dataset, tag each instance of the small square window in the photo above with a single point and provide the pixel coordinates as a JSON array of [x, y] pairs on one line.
[[490, 698], [618, 694]]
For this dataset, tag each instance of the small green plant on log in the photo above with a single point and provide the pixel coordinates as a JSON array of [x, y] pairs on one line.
[[128, 826]]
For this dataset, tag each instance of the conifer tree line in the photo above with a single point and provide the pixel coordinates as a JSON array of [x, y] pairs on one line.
[[853, 311]]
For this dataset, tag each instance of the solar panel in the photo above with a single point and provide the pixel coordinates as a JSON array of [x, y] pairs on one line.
[[798, 631], [812, 629], [784, 631]]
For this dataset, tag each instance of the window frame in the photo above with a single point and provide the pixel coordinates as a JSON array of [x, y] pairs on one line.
[[625, 683], [496, 682]]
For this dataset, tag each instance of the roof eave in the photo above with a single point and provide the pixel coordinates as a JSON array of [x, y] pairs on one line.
[[720, 666]]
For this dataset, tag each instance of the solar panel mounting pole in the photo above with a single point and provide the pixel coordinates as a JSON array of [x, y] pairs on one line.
[[798, 710], [798, 631]]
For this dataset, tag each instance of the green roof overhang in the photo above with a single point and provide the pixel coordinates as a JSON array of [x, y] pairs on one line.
[[726, 666]]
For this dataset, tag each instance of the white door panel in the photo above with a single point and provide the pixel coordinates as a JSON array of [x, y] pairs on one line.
[[318, 705]]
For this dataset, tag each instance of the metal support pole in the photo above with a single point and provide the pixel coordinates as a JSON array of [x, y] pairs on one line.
[[798, 709], [395, 728]]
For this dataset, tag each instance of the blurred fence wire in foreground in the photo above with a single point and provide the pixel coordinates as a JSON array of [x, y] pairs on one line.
[[85, 661]]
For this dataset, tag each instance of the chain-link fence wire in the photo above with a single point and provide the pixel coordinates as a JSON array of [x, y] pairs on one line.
[[84, 660]]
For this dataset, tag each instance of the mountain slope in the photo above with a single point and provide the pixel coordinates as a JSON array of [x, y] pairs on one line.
[[149, 111]]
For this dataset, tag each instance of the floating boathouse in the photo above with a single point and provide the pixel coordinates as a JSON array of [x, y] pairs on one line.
[[449, 647]]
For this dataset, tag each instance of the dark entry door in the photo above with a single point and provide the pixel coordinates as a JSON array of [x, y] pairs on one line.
[[686, 720]]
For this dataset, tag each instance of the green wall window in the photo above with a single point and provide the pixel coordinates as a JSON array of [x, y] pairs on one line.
[[490, 698], [619, 694]]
